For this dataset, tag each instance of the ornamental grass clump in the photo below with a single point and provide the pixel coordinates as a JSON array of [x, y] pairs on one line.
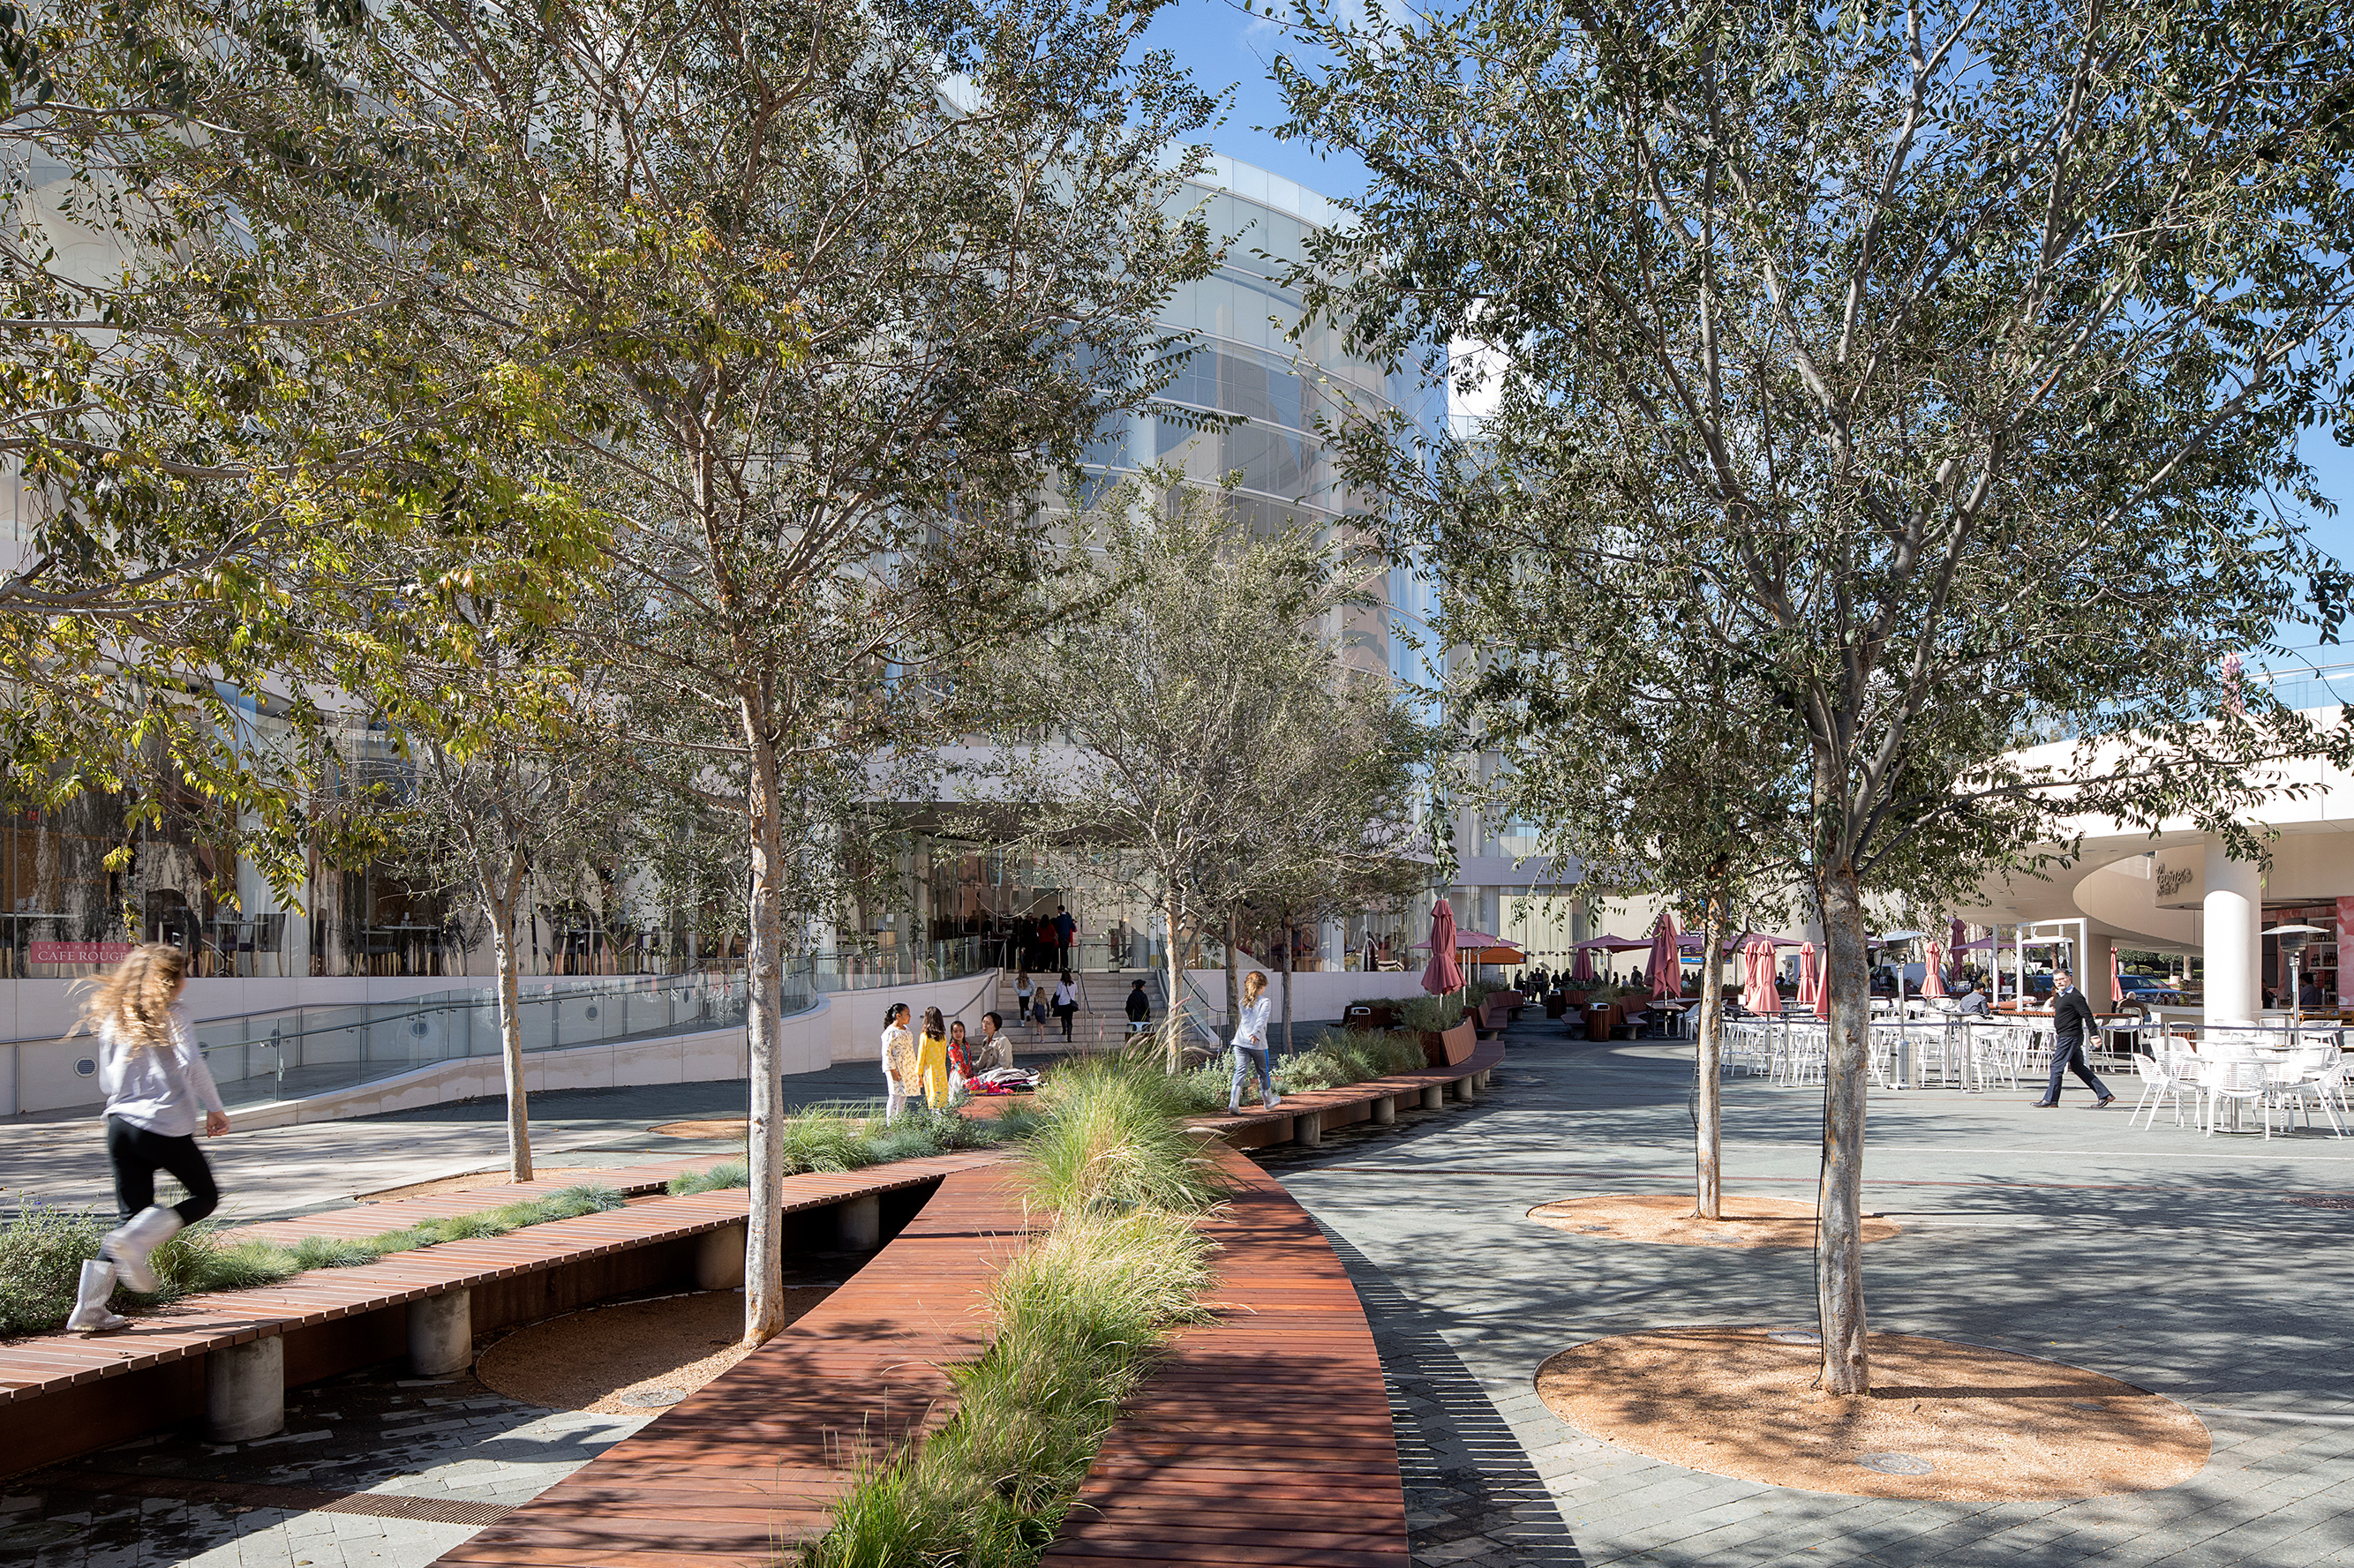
[[1111, 1137], [1081, 1314]]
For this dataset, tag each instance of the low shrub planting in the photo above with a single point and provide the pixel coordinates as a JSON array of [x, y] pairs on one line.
[[1080, 1315], [42, 1252], [833, 1139], [1338, 1058]]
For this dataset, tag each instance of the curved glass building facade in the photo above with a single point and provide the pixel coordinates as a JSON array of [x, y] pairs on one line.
[[1253, 362]]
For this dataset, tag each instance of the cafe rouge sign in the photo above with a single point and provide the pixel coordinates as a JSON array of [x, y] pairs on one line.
[[77, 953]]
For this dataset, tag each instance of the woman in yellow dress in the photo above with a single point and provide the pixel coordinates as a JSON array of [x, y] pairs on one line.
[[932, 1061]]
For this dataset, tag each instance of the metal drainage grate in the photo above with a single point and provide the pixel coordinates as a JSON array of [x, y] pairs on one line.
[[1795, 1336], [2320, 1201], [654, 1398], [1896, 1464]]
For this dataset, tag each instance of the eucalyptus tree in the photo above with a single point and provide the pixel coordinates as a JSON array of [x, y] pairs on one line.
[[1662, 770], [1944, 357], [172, 436], [1203, 663], [818, 301], [1330, 830]]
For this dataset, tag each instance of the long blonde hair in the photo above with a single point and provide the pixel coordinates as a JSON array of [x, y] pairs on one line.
[[1253, 986], [136, 999]]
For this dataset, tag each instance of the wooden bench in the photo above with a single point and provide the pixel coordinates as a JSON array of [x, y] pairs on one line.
[[755, 1460], [62, 1394], [1304, 1118]]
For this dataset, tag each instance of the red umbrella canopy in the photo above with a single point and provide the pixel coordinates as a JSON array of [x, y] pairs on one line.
[[1583, 971], [1443, 975], [1757, 992], [1933, 976], [1667, 963], [1810, 979]]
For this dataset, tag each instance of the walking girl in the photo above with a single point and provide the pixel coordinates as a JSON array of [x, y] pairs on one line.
[[1023, 990], [1250, 1046], [1066, 1003], [898, 1061], [158, 1092]]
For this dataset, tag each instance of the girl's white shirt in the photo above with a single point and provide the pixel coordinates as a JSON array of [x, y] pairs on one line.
[[165, 1090], [1064, 995], [1250, 1028]]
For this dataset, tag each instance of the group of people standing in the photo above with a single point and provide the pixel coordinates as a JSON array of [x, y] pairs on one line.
[[1031, 1001], [939, 1063]]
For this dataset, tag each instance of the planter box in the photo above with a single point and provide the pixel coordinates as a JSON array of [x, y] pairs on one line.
[[1450, 1047], [1370, 1015]]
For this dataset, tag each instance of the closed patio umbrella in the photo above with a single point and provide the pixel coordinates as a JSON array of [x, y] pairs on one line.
[[1583, 971], [1811, 979], [1667, 963], [1933, 973], [1443, 975]]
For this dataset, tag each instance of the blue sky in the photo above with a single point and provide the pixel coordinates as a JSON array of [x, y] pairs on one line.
[[1225, 48]]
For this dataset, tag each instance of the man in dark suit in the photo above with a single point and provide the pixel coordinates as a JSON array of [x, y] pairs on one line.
[[2072, 1015]]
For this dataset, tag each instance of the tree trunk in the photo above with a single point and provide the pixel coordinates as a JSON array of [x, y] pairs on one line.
[[1839, 1204], [501, 905], [764, 1306], [1173, 961], [1289, 1046], [1708, 1133]]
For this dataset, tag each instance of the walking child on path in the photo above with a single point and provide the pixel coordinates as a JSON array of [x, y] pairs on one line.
[[1250, 1046], [1025, 989], [158, 1091]]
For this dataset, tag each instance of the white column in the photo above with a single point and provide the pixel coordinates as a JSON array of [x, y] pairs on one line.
[[2233, 925]]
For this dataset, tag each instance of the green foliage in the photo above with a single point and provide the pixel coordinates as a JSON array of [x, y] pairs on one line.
[[1339, 1058], [1080, 1314], [1436, 1014], [833, 1139], [1111, 1139], [41, 1254]]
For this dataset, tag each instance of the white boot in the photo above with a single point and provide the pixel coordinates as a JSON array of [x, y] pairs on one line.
[[128, 1248], [89, 1313]]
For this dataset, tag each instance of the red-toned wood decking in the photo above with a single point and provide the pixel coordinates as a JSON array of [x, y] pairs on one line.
[[757, 1458], [1266, 1438]]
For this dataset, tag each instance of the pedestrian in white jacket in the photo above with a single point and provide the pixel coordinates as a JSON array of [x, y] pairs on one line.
[[158, 1092], [1250, 1046]]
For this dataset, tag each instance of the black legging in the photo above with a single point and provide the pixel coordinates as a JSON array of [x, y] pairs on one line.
[[1067, 1011], [138, 1154]]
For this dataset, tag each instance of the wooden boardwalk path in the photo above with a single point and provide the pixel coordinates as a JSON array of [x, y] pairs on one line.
[[754, 1459], [1265, 1437]]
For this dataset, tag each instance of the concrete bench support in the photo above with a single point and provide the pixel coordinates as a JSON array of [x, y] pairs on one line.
[[245, 1390], [1385, 1111], [719, 1258], [1433, 1096], [1464, 1090], [442, 1333], [1308, 1130], [858, 1223]]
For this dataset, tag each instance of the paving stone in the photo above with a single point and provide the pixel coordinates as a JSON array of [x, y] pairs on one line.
[[2127, 1251]]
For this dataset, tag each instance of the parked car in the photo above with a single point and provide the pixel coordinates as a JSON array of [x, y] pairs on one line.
[[2149, 990]]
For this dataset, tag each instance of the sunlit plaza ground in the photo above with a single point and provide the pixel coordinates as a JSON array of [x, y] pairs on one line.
[[2209, 1270]]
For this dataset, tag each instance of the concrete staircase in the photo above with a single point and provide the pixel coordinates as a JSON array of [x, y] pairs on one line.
[[1101, 1022]]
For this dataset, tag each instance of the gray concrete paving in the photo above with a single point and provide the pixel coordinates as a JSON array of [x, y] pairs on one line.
[[2170, 1260], [283, 1172]]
